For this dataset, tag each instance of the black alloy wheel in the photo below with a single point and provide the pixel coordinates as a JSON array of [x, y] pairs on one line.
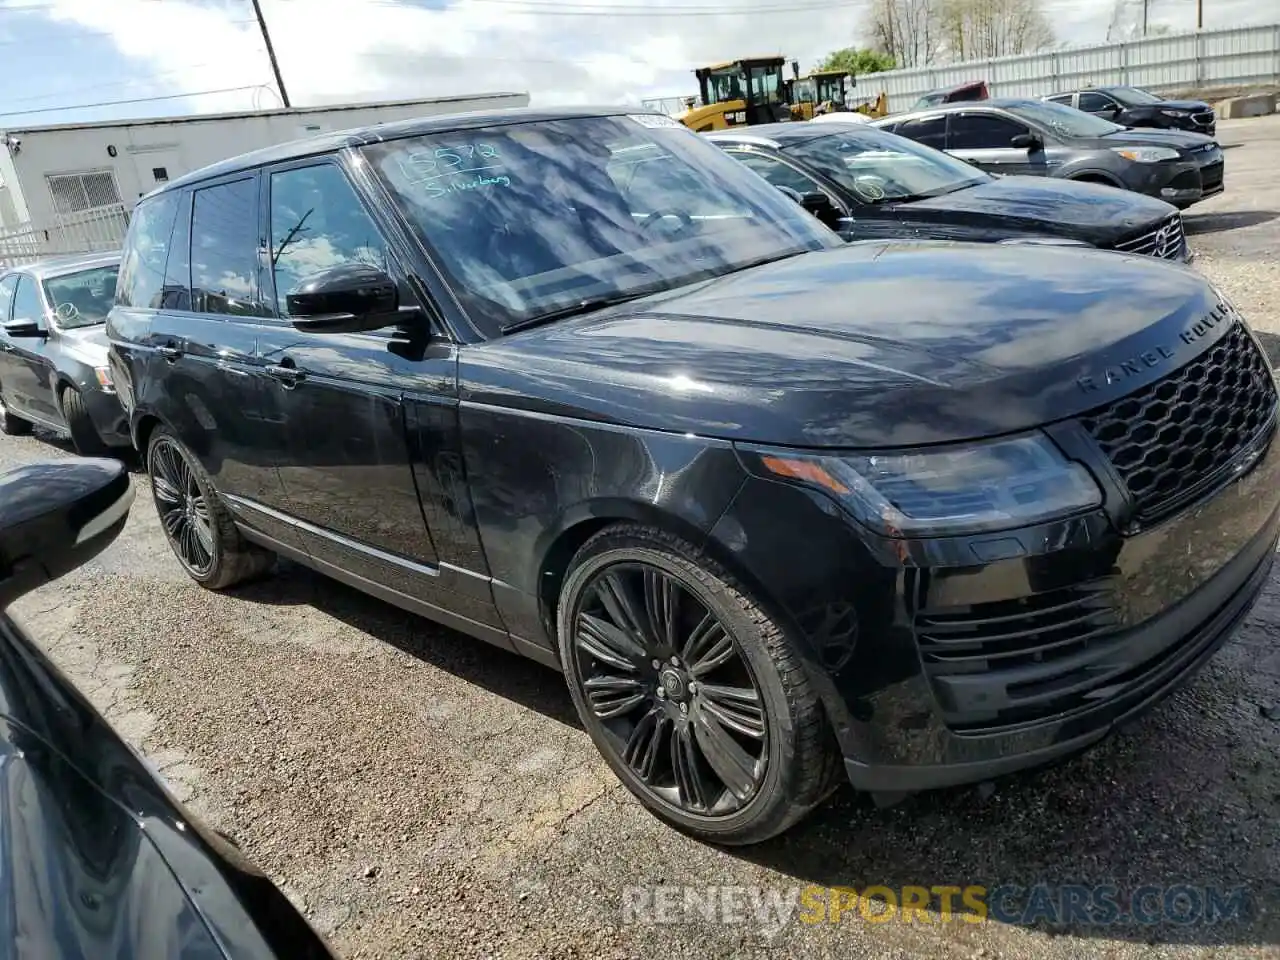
[[672, 689], [693, 696], [183, 507]]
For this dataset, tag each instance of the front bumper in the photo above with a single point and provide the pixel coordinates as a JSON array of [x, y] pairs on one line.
[[949, 661], [108, 415]]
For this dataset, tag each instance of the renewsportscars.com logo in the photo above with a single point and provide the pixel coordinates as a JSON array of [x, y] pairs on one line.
[[1060, 905]]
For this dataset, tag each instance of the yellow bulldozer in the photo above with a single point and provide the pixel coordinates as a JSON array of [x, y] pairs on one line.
[[822, 91], [738, 93]]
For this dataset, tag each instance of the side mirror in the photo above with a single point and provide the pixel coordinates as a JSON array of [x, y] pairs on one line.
[[55, 516], [24, 328], [347, 298], [1026, 141]]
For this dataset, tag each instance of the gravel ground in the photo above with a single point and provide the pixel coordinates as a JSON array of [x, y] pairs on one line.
[[421, 794]]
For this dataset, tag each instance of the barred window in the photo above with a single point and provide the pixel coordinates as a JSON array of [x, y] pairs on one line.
[[73, 192]]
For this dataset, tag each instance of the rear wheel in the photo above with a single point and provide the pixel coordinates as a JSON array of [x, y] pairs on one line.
[[10, 424], [198, 526], [84, 435], [694, 696]]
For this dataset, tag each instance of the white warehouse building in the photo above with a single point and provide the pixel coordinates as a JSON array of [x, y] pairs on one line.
[[68, 188]]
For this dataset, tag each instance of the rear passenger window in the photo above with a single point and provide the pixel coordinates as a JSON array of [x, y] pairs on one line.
[[1062, 98], [224, 249], [146, 249], [317, 222], [931, 131], [177, 272]]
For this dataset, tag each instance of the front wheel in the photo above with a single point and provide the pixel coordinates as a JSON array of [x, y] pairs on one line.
[[11, 425], [694, 696], [197, 525], [84, 435]]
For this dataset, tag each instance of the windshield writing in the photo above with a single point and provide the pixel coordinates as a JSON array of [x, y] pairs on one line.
[[572, 210]]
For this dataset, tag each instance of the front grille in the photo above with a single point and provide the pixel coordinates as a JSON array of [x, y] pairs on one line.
[[1171, 440], [1011, 633], [1203, 119], [1166, 241]]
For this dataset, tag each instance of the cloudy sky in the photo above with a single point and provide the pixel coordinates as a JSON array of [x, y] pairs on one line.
[[59, 57]]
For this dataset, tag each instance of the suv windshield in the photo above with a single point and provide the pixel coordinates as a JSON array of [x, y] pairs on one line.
[[1064, 121], [82, 299], [1133, 96], [877, 166], [530, 219]]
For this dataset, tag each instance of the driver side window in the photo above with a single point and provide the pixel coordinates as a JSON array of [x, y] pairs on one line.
[[27, 304], [1095, 102], [777, 172], [981, 131], [317, 222], [6, 295]]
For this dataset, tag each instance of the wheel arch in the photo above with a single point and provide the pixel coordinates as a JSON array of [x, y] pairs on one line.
[[1096, 176], [559, 545]]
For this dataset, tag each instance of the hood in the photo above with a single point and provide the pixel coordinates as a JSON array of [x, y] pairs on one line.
[[872, 344], [1085, 211], [1149, 137], [78, 876], [89, 344], [1195, 106]]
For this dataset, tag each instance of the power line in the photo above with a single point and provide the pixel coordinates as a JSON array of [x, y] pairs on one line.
[[120, 83], [79, 33], [114, 103], [567, 8]]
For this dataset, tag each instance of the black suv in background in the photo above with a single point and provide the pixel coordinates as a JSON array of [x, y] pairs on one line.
[[1038, 138], [1135, 107], [577, 383]]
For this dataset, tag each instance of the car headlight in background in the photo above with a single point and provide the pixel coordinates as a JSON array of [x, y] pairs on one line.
[[972, 488], [1046, 242], [104, 378], [1176, 113], [1146, 154]]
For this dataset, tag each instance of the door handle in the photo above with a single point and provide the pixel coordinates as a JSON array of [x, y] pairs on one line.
[[169, 352], [287, 374]]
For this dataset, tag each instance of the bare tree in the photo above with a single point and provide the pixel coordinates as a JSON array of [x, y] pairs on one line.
[[907, 30], [978, 29]]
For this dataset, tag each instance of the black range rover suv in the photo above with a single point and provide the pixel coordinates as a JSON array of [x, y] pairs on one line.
[[580, 385]]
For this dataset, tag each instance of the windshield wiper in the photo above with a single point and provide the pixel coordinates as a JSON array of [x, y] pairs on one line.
[[572, 310]]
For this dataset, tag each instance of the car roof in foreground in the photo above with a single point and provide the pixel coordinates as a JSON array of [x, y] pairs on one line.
[[61, 266], [781, 134], [395, 130]]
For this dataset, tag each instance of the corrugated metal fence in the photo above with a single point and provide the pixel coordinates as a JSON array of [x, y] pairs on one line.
[[1244, 56]]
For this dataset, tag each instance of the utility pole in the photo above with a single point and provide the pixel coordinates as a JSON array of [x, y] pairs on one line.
[[1144, 17], [1199, 14], [271, 54]]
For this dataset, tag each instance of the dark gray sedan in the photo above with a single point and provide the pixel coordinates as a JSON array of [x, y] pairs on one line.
[[53, 351], [1038, 138]]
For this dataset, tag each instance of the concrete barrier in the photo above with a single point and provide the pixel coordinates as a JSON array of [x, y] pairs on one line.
[[1255, 105]]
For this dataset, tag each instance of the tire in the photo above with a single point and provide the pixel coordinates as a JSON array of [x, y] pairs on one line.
[[11, 425], [84, 435], [196, 523], [658, 746]]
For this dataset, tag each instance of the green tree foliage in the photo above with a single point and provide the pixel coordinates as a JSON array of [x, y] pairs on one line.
[[857, 61]]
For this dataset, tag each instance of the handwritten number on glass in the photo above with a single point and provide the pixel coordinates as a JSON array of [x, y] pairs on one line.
[[435, 170]]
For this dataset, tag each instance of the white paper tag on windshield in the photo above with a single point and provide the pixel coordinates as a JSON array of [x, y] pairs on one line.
[[653, 120]]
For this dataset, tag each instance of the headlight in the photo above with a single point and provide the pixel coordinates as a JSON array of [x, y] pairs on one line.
[[1046, 242], [104, 378], [1175, 113], [1146, 154], [974, 488]]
